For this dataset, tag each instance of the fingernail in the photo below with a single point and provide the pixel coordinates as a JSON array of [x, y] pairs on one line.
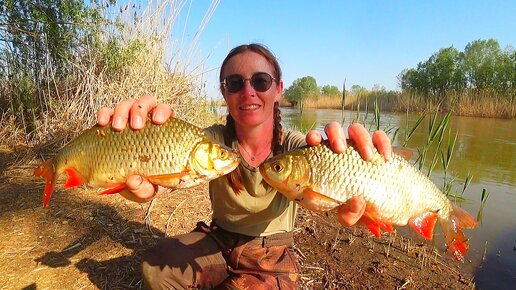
[[102, 120], [338, 145], [136, 122], [117, 122], [158, 117], [140, 181], [387, 155], [369, 153]]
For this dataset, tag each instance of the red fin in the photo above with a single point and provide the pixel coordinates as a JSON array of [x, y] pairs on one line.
[[114, 190], [168, 180], [316, 201], [74, 178], [456, 242], [404, 152], [371, 220], [424, 224], [46, 170]]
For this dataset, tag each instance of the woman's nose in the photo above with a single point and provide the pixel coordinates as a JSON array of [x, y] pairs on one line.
[[248, 88]]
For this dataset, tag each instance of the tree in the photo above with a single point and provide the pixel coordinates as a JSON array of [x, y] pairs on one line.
[[38, 40], [480, 62], [301, 89], [329, 90], [358, 90]]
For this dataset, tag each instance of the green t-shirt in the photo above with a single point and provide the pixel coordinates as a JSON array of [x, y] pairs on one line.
[[257, 210]]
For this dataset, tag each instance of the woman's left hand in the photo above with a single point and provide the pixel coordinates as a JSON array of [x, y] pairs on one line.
[[351, 212]]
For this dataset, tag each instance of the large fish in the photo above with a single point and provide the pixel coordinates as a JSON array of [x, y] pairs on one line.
[[396, 193], [174, 155]]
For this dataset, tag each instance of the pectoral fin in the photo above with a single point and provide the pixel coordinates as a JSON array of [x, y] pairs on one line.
[[170, 180], [316, 201], [114, 190], [74, 178]]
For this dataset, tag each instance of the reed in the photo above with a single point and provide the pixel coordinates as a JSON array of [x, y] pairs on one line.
[[327, 102], [136, 55], [485, 103]]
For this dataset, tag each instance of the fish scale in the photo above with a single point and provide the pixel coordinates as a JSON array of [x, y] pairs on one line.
[[395, 192]]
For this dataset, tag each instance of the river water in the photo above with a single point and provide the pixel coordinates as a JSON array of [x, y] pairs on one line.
[[486, 150]]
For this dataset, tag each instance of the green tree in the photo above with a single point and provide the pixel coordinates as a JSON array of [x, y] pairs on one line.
[[38, 40], [301, 89], [358, 90], [329, 90], [480, 63]]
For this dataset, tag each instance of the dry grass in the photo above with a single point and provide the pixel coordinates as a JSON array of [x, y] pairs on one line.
[[153, 62]]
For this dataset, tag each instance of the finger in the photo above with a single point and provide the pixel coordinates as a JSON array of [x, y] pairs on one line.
[[140, 110], [139, 189], [161, 113], [104, 116], [364, 145], [350, 213], [121, 114], [383, 144], [313, 137], [336, 137]]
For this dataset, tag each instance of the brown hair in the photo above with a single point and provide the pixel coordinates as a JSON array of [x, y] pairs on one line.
[[235, 177]]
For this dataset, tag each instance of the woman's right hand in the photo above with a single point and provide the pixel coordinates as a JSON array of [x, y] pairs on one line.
[[135, 113]]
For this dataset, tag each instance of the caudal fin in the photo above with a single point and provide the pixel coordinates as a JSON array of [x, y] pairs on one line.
[[46, 170], [456, 242]]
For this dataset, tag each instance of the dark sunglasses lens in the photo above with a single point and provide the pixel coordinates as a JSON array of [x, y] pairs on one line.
[[234, 83], [261, 82]]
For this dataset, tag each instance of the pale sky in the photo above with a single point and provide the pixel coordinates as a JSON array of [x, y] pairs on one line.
[[364, 42]]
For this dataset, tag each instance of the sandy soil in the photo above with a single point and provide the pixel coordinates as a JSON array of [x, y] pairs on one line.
[[85, 241]]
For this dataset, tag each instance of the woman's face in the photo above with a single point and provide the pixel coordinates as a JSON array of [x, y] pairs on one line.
[[248, 106]]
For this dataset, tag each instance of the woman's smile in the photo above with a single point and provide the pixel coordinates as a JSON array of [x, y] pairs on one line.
[[250, 107]]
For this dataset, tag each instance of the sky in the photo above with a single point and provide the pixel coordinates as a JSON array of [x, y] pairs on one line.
[[362, 42]]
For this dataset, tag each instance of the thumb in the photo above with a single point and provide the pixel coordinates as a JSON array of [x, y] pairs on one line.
[[139, 189], [350, 213]]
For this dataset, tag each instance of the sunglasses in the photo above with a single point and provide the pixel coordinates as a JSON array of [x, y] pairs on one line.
[[261, 82]]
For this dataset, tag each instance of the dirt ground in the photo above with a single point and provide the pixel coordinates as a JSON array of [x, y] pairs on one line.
[[85, 241]]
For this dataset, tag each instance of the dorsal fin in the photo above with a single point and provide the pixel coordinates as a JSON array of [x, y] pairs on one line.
[[404, 152]]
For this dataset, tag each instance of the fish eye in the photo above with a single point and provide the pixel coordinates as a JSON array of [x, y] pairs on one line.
[[223, 155], [277, 167]]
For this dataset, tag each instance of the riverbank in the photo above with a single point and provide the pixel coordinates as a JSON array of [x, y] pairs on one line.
[[482, 104]]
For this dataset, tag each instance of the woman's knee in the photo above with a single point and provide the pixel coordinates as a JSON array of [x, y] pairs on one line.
[[158, 275]]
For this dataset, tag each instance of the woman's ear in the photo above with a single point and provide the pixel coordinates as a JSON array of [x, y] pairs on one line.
[[279, 91]]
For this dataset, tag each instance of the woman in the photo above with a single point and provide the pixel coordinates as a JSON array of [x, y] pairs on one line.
[[249, 242]]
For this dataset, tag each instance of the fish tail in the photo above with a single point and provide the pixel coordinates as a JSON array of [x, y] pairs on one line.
[[47, 171], [456, 242]]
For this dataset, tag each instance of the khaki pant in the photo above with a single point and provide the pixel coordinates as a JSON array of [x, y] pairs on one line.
[[212, 258]]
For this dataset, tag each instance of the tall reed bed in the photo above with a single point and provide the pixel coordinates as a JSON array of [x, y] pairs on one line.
[[474, 103], [134, 53], [328, 102]]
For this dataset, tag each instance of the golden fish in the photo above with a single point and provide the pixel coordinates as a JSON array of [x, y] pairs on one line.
[[396, 193], [174, 155]]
